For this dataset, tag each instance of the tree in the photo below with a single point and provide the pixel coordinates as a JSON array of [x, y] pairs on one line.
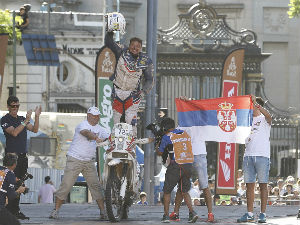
[[294, 10], [6, 24]]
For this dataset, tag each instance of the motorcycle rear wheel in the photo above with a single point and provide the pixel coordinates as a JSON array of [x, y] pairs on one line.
[[113, 200]]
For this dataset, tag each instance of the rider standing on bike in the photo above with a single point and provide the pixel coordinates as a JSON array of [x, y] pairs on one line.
[[180, 158], [81, 158], [133, 69]]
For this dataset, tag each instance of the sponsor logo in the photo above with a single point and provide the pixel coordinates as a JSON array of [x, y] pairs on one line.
[[226, 170], [231, 70], [106, 106]]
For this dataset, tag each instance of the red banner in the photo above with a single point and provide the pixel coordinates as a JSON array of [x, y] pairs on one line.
[[3, 47], [228, 152]]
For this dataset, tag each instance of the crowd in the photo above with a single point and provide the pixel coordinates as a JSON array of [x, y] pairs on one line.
[[280, 192]]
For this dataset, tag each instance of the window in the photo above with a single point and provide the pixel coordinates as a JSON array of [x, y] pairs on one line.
[[62, 73]]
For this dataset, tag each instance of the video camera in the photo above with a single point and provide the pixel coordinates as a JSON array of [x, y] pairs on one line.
[[22, 180], [156, 131]]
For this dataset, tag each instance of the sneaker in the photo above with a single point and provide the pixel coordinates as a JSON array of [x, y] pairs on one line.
[[192, 217], [19, 215], [165, 219], [246, 218], [262, 218], [174, 217], [210, 217], [54, 214]]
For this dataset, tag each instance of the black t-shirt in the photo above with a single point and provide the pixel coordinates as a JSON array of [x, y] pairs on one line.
[[8, 187], [14, 144]]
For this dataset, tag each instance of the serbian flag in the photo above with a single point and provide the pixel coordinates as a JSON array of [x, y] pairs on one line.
[[219, 119]]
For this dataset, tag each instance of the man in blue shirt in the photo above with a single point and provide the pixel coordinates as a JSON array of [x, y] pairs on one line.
[[15, 130], [7, 188], [178, 145]]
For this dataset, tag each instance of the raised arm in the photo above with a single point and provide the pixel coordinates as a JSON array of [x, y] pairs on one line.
[[109, 42], [35, 127]]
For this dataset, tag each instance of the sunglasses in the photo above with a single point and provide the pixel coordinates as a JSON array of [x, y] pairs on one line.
[[14, 106]]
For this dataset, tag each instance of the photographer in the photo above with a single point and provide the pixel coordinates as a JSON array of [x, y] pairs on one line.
[[15, 130], [7, 188], [177, 143]]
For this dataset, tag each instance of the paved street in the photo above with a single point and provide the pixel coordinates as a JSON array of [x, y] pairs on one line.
[[87, 214]]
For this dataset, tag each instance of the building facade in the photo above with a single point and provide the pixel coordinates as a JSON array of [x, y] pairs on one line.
[[77, 26]]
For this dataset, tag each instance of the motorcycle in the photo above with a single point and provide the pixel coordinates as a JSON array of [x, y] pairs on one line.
[[120, 175]]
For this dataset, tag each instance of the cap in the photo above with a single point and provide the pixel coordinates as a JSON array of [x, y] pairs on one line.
[[94, 111], [143, 193]]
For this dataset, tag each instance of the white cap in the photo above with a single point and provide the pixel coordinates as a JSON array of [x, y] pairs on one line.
[[94, 111]]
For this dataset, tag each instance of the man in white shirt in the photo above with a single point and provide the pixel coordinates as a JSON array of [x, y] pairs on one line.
[[257, 159], [46, 191], [81, 158]]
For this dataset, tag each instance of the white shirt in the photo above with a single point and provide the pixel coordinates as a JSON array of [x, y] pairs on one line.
[[81, 148], [198, 146], [194, 192], [46, 193], [258, 142]]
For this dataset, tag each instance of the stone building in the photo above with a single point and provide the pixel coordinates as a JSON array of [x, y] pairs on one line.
[[268, 19]]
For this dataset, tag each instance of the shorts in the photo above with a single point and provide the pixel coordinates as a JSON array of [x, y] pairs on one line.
[[256, 166], [73, 168], [200, 165], [178, 174]]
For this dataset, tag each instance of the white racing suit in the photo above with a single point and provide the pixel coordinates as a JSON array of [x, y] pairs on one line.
[[130, 73]]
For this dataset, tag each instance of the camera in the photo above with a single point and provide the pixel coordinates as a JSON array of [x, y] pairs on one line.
[[158, 133], [22, 180]]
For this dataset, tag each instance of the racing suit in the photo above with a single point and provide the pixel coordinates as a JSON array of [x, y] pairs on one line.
[[128, 76]]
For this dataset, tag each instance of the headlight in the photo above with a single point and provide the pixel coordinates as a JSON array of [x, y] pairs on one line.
[[120, 139]]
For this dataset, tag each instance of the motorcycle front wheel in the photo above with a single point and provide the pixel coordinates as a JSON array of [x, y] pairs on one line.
[[113, 200]]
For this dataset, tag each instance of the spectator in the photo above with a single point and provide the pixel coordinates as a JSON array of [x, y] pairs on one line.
[[216, 199], [289, 190], [280, 184], [257, 160], [143, 199], [276, 192], [23, 14], [46, 191], [15, 130], [240, 175], [223, 203], [242, 190], [270, 189], [195, 191], [81, 158], [233, 200], [7, 188]]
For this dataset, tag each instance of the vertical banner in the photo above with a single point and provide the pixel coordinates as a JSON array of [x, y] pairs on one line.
[[228, 152], [105, 67], [3, 47]]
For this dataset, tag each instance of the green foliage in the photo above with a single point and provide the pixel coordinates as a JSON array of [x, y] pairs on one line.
[[294, 9], [6, 24]]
